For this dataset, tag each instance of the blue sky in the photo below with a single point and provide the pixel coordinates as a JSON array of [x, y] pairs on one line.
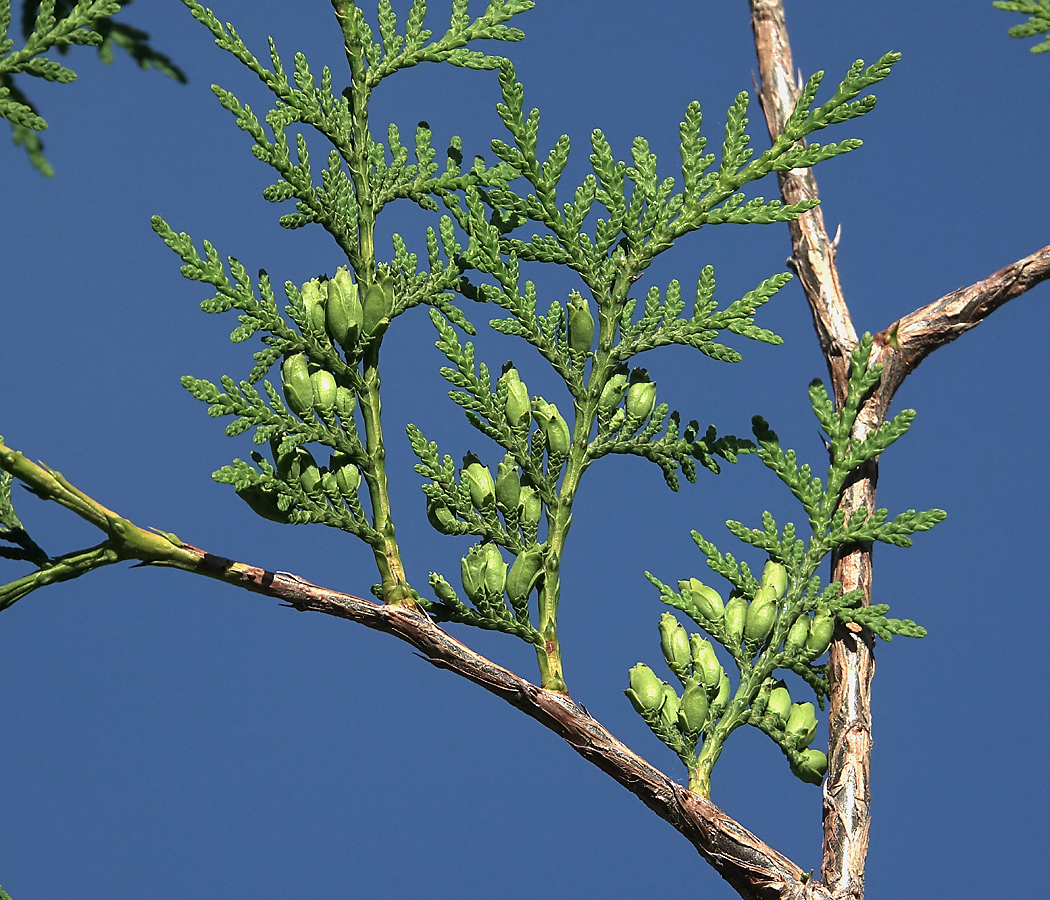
[[167, 737]]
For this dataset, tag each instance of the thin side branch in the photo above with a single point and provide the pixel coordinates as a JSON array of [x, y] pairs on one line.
[[919, 333]]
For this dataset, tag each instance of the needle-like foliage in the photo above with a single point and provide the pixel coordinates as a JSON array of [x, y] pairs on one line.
[[786, 619], [1038, 12], [58, 24], [329, 336]]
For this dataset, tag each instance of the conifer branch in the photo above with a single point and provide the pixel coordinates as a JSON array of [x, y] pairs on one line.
[[813, 250], [754, 869]]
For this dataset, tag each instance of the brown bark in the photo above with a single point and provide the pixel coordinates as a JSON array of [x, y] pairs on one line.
[[899, 349]]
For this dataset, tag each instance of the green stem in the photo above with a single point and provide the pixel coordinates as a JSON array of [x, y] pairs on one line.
[[549, 653], [360, 142], [734, 716], [387, 553], [385, 548], [64, 568], [558, 524], [700, 775], [126, 540]]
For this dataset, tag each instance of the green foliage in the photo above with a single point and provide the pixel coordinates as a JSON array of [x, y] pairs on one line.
[[327, 336], [58, 24], [131, 40], [785, 619], [1038, 22], [334, 344], [588, 341], [613, 411]]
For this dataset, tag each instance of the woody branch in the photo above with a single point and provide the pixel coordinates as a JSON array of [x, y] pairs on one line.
[[899, 349]]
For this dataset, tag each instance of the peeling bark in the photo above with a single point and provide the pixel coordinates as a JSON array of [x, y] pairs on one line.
[[899, 349]]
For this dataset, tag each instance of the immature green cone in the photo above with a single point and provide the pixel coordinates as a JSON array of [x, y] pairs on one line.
[[263, 503], [478, 581], [348, 479], [722, 698], [345, 401], [377, 308], [670, 707], [530, 506], [479, 482], [797, 634], [441, 517], [641, 395], [735, 614], [820, 633], [707, 600], [311, 477], [299, 466], [766, 593], [693, 709], [813, 767], [646, 692], [581, 323], [324, 390], [614, 389], [472, 571], [558, 437], [495, 570], [295, 381], [674, 644], [759, 620], [344, 315], [508, 485], [442, 589], [705, 662], [315, 294], [291, 466], [328, 483], [801, 725], [524, 572], [347, 475], [779, 705], [518, 409], [775, 576], [554, 427]]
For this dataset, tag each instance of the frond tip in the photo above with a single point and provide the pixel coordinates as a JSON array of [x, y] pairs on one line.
[[1038, 22]]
